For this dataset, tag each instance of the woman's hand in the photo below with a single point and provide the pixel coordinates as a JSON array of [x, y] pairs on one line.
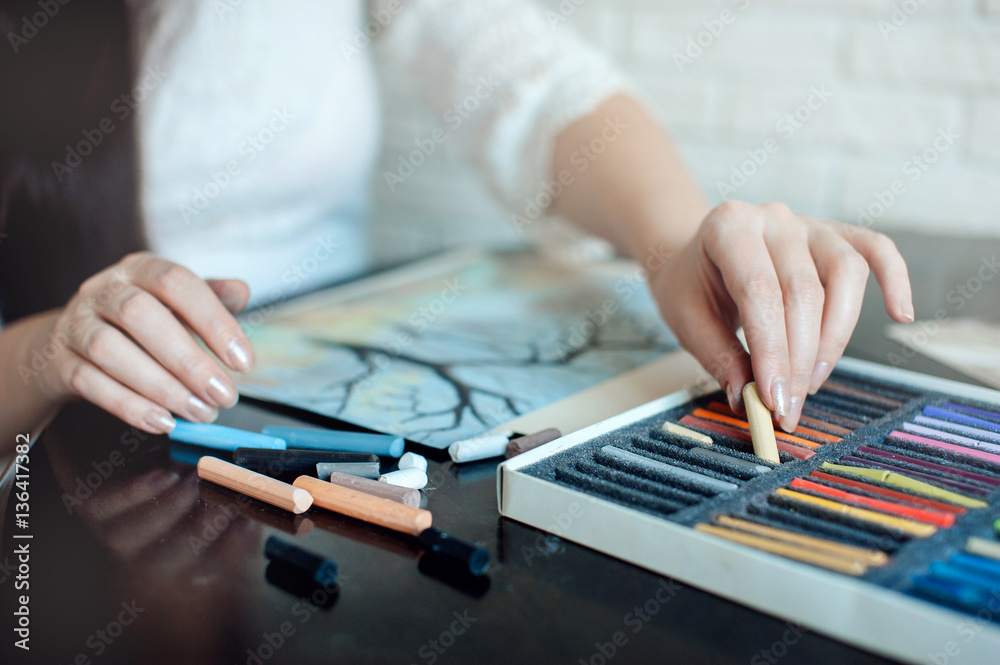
[[126, 342], [794, 283]]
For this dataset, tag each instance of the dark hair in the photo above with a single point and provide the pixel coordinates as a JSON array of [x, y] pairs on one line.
[[63, 219]]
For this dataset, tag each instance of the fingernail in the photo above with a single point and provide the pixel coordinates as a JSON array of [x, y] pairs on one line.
[[779, 396], [907, 311], [239, 356], [735, 398], [791, 421], [820, 373], [199, 411], [220, 393], [160, 421]]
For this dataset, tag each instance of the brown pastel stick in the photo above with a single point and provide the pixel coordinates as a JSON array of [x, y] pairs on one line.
[[834, 386], [523, 444], [761, 427], [254, 484], [361, 506], [404, 495]]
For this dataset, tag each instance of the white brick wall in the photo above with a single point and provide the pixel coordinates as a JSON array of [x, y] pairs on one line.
[[899, 72]]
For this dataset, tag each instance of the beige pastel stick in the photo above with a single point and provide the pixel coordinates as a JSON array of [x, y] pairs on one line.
[[761, 426], [684, 432], [865, 556], [254, 484], [361, 506], [404, 495]]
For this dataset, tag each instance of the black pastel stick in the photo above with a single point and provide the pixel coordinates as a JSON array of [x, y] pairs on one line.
[[275, 462], [456, 552], [319, 569]]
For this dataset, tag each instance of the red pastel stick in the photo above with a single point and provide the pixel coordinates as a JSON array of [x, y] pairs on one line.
[[919, 514], [891, 494]]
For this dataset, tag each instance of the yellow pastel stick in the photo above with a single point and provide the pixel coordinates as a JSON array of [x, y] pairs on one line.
[[861, 554], [684, 432], [761, 425], [906, 482], [803, 554], [919, 529]]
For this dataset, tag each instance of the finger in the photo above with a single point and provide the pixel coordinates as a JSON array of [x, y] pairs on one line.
[[157, 330], [232, 293], [116, 355], [194, 301], [86, 380], [844, 274], [735, 244], [715, 346], [802, 298], [888, 265]]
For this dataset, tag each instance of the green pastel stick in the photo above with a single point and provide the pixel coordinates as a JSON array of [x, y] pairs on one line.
[[906, 482]]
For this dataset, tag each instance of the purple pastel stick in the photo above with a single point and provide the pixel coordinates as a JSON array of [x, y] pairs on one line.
[[950, 438], [982, 413], [931, 465], [978, 491], [972, 432], [946, 414]]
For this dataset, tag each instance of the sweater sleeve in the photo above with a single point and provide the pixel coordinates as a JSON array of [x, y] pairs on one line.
[[506, 76]]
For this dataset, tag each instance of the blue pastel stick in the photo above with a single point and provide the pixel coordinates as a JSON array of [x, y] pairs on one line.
[[221, 437], [972, 432], [982, 413], [978, 564], [951, 593], [346, 442], [946, 414], [948, 572]]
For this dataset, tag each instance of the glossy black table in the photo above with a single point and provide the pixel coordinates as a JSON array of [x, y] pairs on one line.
[[133, 560]]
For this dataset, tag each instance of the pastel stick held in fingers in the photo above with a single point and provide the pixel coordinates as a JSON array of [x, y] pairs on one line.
[[348, 442], [765, 446], [221, 437], [371, 509], [254, 484], [404, 495]]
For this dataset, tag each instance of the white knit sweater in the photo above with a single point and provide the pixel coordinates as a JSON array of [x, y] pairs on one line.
[[259, 119]]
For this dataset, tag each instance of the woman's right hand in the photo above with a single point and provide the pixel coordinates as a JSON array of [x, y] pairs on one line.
[[126, 342]]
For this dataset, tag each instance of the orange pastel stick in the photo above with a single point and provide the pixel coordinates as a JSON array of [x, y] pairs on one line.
[[939, 506], [781, 436], [816, 434], [919, 514]]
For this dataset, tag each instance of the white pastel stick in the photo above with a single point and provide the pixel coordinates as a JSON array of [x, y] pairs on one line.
[[414, 478], [413, 461], [480, 447]]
